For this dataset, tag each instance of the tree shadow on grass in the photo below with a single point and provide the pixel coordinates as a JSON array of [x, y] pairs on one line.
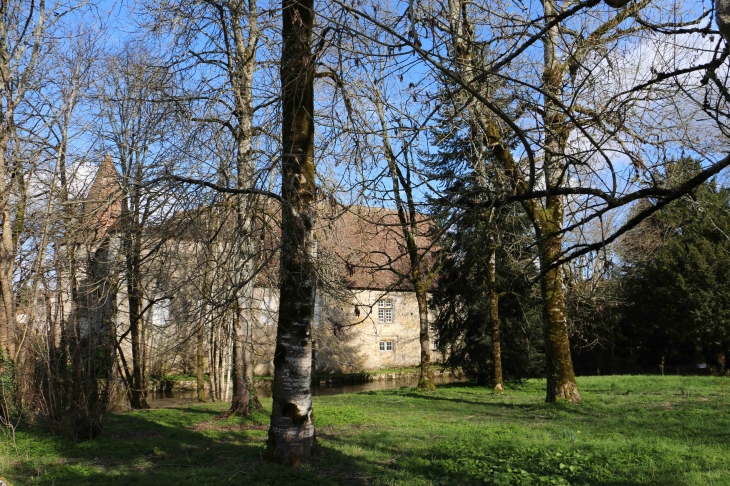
[[705, 424], [384, 460], [140, 451], [500, 404]]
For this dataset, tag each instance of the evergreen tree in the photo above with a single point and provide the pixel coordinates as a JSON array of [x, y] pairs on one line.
[[678, 296], [488, 322], [463, 318]]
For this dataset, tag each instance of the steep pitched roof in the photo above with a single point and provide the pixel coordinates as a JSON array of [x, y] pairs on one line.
[[370, 245], [103, 205], [359, 247]]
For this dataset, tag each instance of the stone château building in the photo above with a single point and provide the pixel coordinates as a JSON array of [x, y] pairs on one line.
[[366, 315]]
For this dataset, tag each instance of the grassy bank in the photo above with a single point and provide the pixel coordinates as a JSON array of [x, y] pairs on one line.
[[629, 430], [320, 376]]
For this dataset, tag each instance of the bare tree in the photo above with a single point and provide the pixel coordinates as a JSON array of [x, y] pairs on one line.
[[566, 133], [136, 129]]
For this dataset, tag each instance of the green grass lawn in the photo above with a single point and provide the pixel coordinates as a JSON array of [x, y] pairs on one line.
[[628, 430]]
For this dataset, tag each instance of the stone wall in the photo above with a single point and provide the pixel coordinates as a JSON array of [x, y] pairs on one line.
[[349, 333]]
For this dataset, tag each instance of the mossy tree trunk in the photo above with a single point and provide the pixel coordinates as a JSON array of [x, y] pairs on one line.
[[291, 433], [493, 298], [17, 41], [7, 261], [548, 218]]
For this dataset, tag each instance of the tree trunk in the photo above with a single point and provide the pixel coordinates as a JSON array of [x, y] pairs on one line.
[[291, 434], [408, 222], [244, 400], [7, 261], [139, 388], [213, 361], [242, 70], [561, 384], [7, 296], [493, 297], [425, 379], [200, 361], [240, 401], [548, 222]]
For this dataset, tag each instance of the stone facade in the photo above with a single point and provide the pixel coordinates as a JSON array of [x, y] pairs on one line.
[[370, 331]]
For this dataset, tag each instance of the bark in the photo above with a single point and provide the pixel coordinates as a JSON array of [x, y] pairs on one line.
[[213, 361], [548, 222], [241, 68], [722, 17], [493, 297], [462, 48], [244, 400], [291, 434], [425, 378], [408, 222], [132, 235], [135, 296], [8, 238], [240, 401], [7, 261], [138, 388], [200, 355], [14, 83]]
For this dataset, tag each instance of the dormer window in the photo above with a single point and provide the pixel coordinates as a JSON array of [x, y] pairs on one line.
[[385, 311]]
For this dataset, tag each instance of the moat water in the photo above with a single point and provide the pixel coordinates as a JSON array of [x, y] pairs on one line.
[[166, 399]]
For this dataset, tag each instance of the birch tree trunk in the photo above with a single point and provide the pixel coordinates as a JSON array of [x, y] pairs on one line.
[[291, 433]]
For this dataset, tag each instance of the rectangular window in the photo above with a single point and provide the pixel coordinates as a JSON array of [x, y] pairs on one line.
[[385, 310], [386, 345], [434, 336]]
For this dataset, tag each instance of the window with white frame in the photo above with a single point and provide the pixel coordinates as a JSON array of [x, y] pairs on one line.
[[386, 345], [385, 310]]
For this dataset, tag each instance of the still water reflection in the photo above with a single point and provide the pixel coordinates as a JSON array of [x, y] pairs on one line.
[[167, 399]]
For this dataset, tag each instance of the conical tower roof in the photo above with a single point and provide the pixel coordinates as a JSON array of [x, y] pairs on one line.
[[103, 205]]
